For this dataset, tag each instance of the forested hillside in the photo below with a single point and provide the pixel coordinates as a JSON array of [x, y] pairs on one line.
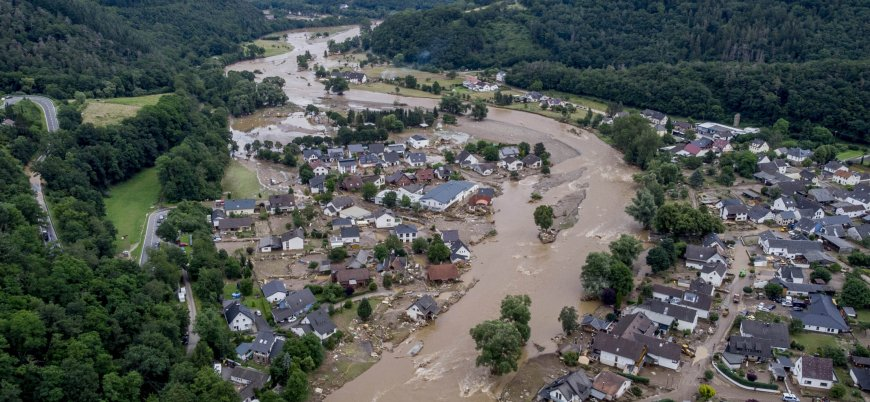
[[118, 47], [806, 61]]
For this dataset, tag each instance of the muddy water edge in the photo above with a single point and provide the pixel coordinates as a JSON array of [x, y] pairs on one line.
[[514, 262]]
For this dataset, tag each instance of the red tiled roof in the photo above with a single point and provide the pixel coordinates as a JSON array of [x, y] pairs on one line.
[[443, 272]]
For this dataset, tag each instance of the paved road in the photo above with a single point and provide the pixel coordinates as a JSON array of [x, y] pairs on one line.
[[191, 313], [50, 113], [150, 234]]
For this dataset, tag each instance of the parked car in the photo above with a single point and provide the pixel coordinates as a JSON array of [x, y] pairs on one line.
[[736, 298], [790, 397]]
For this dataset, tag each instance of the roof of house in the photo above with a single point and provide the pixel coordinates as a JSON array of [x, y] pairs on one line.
[[671, 310], [750, 346], [821, 312], [862, 375], [653, 113], [718, 267], [442, 272], [405, 228], [255, 379], [701, 287], [320, 322], [636, 323], [417, 157], [821, 194], [418, 137], [800, 287], [699, 253], [297, 233], [263, 342], [359, 275], [446, 192], [531, 159], [819, 368], [594, 322], [775, 332], [608, 383], [235, 205], [427, 305], [348, 232], [317, 181], [791, 272], [281, 200], [659, 347], [573, 384], [624, 347], [377, 148], [269, 241], [273, 287], [235, 308], [758, 212], [297, 300], [235, 223], [449, 235]]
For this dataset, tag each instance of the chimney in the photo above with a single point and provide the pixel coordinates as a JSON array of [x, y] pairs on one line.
[[736, 120]]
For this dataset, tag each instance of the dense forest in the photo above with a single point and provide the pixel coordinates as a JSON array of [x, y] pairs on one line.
[[806, 61]]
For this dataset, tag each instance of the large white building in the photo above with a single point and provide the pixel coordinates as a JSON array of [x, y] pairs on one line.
[[445, 195]]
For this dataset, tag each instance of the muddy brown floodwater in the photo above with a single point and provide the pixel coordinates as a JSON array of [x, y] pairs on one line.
[[514, 262]]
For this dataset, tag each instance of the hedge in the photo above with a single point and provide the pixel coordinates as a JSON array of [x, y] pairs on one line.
[[731, 374], [637, 378]]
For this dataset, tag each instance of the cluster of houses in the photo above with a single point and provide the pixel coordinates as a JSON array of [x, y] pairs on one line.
[[353, 77], [545, 101], [578, 386], [509, 158], [474, 84]]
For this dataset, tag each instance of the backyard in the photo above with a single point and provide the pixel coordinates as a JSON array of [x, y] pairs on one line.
[[240, 182], [127, 208]]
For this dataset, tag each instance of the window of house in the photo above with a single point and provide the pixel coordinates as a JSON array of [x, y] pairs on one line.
[[824, 384], [807, 382]]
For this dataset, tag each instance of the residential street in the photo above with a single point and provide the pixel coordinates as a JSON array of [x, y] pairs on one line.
[[191, 313], [150, 233]]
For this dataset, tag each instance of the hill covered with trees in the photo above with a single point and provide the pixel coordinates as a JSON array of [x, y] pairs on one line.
[[806, 61]]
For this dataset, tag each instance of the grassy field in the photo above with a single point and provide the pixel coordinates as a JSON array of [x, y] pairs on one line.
[[102, 112], [127, 206], [849, 154], [274, 47], [240, 181]]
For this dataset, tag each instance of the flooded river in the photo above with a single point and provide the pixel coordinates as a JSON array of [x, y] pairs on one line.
[[514, 262]]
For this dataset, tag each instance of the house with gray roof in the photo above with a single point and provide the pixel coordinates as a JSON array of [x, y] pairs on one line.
[[509, 151], [423, 309], [249, 380], [714, 273], [317, 184], [699, 302], [294, 305], [814, 372], [416, 159], [791, 273], [317, 323], [622, 353], [754, 349], [238, 316], [263, 345], [574, 386], [445, 195], [696, 256], [775, 332], [665, 314], [861, 377], [592, 323], [660, 352], [821, 195], [311, 154], [405, 232], [760, 213], [274, 291], [632, 324], [240, 207], [821, 315], [350, 235]]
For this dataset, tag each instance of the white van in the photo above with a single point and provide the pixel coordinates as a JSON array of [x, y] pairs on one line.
[[790, 397]]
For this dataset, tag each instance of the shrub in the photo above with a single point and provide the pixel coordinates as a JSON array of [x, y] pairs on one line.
[[751, 376], [838, 391], [636, 391], [708, 374], [747, 289], [348, 304], [570, 358], [373, 286], [635, 378]]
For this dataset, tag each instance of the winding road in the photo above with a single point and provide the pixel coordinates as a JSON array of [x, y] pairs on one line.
[[51, 124]]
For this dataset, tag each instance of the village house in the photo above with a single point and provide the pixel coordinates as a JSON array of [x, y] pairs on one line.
[[239, 317], [508, 151], [425, 175], [665, 314], [424, 309], [737, 213], [445, 195], [821, 315], [852, 211], [317, 184], [249, 380], [355, 278], [392, 159], [318, 323], [350, 235], [352, 77], [654, 116], [572, 387], [230, 225], [351, 183], [466, 159], [797, 155], [714, 273], [444, 172], [532, 161], [790, 273], [760, 213], [282, 203], [622, 353], [385, 218], [405, 232], [846, 178], [337, 204], [814, 372], [377, 179], [861, 377], [417, 141], [266, 345], [269, 244], [240, 207], [319, 168], [697, 256], [347, 166], [752, 349], [442, 273], [758, 146], [459, 252], [775, 332], [415, 159], [293, 239], [274, 291], [699, 302], [484, 169], [511, 164], [660, 352], [294, 305], [311, 154], [367, 161], [609, 386]]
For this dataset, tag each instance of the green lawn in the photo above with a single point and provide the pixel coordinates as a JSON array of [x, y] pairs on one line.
[[274, 47], [812, 340], [240, 181], [102, 112], [849, 154], [127, 207]]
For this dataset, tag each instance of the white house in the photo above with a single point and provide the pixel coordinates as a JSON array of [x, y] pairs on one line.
[[698, 256], [347, 166], [293, 240], [321, 170], [758, 146], [846, 178], [814, 372], [852, 211], [442, 197], [274, 291], [418, 141], [385, 218], [714, 273], [511, 163], [664, 313], [317, 323], [239, 317], [622, 353], [425, 308], [609, 386], [484, 169], [415, 159], [797, 155], [405, 233]]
